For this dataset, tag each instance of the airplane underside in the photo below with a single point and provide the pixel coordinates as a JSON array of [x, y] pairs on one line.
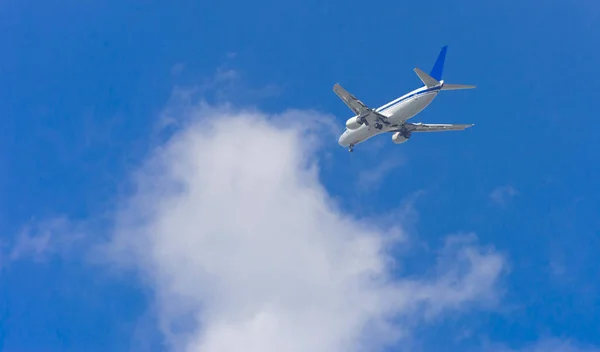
[[401, 130]]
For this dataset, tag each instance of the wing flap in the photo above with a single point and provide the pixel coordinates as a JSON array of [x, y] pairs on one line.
[[436, 127]]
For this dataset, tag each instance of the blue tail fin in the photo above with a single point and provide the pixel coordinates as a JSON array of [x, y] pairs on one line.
[[438, 67]]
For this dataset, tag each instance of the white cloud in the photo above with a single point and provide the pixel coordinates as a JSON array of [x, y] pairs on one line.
[[246, 251], [501, 195]]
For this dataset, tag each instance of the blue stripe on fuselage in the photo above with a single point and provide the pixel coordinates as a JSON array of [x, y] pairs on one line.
[[394, 103]]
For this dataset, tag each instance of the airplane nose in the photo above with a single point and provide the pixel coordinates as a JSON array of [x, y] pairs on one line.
[[342, 141]]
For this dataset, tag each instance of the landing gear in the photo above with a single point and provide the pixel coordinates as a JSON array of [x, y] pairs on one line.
[[351, 148], [378, 126]]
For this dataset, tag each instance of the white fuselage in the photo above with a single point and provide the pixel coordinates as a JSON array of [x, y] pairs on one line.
[[397, 111]]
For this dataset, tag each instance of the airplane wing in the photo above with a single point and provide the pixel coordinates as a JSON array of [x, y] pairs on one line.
[[433, 127], [350, 100], [370, 116]]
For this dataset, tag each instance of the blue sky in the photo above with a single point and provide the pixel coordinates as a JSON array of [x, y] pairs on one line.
[[84, 86]]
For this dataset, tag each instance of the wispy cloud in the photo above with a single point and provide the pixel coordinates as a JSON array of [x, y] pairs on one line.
[[557, 266], [228, 85], [370, 179], [40, 239], [235, 233], [549, 345], [501, 195], [177, 68]]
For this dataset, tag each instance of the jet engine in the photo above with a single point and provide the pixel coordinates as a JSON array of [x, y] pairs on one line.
[[400, 137], [353, 123]]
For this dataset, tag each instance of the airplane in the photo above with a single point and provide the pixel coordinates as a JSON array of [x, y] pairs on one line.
[[392, 116]]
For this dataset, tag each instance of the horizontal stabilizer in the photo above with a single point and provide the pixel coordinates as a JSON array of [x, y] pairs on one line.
[[448, 86], [426, 79]]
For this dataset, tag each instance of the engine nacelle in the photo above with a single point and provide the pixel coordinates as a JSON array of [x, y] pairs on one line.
[[353, 123], [400, 138]]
